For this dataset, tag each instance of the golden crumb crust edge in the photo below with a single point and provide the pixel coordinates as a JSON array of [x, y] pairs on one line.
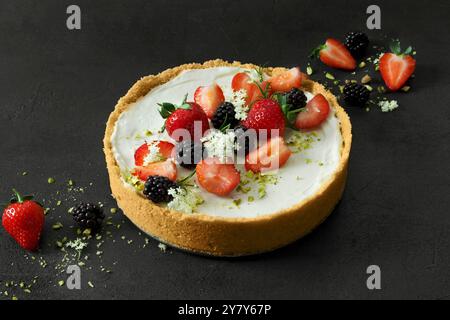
[[220, 236]]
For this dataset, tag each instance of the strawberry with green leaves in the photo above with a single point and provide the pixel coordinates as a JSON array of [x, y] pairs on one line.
[[181, 120], [24, 220], [396, 67], [335, 54]]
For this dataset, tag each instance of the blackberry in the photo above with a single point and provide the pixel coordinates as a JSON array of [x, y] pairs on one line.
[[356, 94], [156, 188], [245, 141], [225, 115], [296, 98], [356, 43], [189, 153], [88, 215]]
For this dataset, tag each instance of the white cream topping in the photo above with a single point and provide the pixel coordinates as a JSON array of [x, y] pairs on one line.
[[299, 179]]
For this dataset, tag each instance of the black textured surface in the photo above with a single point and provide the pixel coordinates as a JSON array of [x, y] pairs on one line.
[[59, 86]]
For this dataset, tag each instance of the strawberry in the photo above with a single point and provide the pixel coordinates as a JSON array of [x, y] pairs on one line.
[[396, 67], [315, 112], [182, 121], [243, 81], [24, 220], [166, 169], [334, 54], [165, 150], [217, 177], [265, 114], [209, 98], [287, 80], [270, 156]]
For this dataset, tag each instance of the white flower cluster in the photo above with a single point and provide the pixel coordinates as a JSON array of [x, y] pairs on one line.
[[387, 106], [220, 145], [153, 155], [184, 200], [238, 100]]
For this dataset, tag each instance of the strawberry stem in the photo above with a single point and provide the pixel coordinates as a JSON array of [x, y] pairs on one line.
[[18, 196]]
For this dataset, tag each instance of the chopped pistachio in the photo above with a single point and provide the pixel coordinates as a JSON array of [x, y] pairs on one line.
[[24, 173], [329, 76], [27, 290], [58, 203], [51, 180], [237, 202], [113, 210], [406, 88], [362, 64], [309, 70], [366, 79], [381, 89], [70, 182], [90, 284], [61, 283], [251, 199], [57, 226], [369, 87], [148, 133], [87, 232]]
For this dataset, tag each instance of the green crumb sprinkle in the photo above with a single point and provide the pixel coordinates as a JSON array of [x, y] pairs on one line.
[[406, 88], [321, 164], [70, 183], [148, 133], [51, 180], [251, 199], [250, 174], [341, 89], [329, 76], [57, 226], [58, 203], [27, 290], [86, 232], [353, 81], [24, 173], [113, 210], [369, 88], [14, 298], [61, 283], [381, 89], [362, 64], [237, 202], [262, 192], [309, 70], [90, 284], [336, 82], [367, 109], [308, 161]]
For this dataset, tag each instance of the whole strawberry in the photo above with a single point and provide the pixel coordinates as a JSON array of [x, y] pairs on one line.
[[181, 120], [24, 219], [266, 114]]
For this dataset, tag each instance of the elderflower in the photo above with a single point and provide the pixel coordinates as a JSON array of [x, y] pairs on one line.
[[387, 106], [220, 145], [153, 155], [184, 200], [238, 100]]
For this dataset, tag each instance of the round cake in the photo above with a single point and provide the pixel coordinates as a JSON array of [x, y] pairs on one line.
[[215, 207]]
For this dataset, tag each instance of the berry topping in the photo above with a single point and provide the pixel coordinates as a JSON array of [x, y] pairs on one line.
[[356, 94], [152, 152], [265, 114], [24, 220], [88, 215], [166, 169], [356, 43], [182, 120], [296, 98], [286, 80], [189, 153], [334, 54], [157, 188], [255, 90], [270, 156], [225, 116], [217, 177], [315, 112], [209, 98], [397, 67]]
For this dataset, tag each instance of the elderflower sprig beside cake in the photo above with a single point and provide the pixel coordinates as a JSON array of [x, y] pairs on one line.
[[218, 191]]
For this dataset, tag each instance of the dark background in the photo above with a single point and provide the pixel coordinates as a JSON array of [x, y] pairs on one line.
[[57, 88]]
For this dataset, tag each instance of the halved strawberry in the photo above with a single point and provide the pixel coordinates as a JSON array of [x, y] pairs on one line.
[[209, 98], [287, 80], [243, 81], [165, 149], [270, 156], [217, 177], [316, 111], [166, 169], [397, 67], [335, 54]]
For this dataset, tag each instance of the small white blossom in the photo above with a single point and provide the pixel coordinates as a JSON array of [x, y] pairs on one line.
[[153, 155], [240, 107], [184, 200], [220, 145], [387, 106]]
